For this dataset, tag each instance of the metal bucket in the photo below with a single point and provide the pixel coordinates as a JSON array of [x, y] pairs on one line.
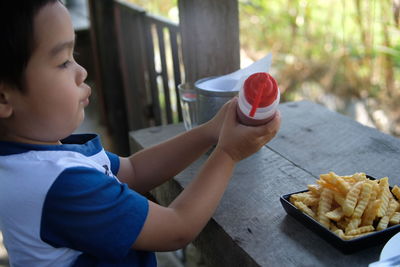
[[209, 102]]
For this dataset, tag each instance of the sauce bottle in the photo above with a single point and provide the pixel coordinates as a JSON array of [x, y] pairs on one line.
[[258, 99]]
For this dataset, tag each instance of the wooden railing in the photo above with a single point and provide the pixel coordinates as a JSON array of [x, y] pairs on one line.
[[137, 33], [139, 67]]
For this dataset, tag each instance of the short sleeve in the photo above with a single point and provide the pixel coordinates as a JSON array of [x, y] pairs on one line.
[[88, 211], [114, 160]]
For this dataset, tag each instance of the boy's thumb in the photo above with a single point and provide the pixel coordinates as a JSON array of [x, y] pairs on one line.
[[231, 114]]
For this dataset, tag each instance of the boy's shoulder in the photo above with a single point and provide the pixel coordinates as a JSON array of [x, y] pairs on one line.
[[31, 173], [48, 161]]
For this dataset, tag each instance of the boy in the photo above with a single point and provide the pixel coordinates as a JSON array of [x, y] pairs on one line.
[[64, 201]]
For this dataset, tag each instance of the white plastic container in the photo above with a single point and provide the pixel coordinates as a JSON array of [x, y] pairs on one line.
[[249, 111]]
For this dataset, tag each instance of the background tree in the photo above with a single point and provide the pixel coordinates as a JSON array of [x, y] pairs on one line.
[[338, 53]]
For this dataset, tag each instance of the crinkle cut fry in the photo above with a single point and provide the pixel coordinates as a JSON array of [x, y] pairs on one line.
[[351, 199], [303, 207], [383, 223], [370, 213], [393, 206], [395, 219], [384, 196], [337, 182], [375, 189], [372, 196], [396, 192], [307, 198], [335, 215], [385, 220], [315, 189], [352, 225], [324, 206], [339, 198], [362, 204], [361, 230]]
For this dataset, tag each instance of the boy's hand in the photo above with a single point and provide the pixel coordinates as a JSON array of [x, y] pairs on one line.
[[240, 141], [214, 125]]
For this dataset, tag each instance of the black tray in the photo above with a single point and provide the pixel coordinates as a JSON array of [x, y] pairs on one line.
[[345, 246]]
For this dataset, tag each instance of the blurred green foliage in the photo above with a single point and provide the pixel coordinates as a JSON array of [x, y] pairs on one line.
[[348, 48]]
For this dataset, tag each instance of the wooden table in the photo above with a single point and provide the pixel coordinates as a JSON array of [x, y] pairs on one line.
[[250, 227]]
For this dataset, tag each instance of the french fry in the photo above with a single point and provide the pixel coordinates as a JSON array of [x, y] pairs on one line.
[[336, 181], [324, 206], [325, 184], [352, 225], [361, 230], [364, 199], [340, 233], [350, 206], [351, 199], [393, 206], [383, 223], [359, 176], [349, 178], [306, 197], [375, 190], [384, 195], [335, 215], [300, 196], [342, 224], [303, 207], [370, 213], [396, 191], [315, 189], [339, 198], [395, 219]]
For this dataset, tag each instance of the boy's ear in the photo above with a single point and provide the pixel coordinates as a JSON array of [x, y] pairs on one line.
[[5, 105]]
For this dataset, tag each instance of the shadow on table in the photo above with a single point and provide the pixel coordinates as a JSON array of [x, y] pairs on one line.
[[295, 231]]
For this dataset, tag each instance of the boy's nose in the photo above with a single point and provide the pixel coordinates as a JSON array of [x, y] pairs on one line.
[[82, 75]]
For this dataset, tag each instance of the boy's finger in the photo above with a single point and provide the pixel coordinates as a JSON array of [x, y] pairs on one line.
[[231, 112], [271, 126], [230, 101], [276, 121]]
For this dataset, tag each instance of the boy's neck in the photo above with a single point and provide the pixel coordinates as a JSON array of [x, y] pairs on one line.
[[20, 139]]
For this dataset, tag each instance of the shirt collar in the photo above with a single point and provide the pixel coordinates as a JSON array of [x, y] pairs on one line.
[[87, 144]]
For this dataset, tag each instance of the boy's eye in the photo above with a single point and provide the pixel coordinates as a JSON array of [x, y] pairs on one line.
[[65, 64]]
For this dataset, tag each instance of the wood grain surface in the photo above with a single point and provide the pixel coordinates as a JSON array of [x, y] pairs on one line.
[[250, 227]]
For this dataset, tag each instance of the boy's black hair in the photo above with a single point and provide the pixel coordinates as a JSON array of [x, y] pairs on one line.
[[17, 40]]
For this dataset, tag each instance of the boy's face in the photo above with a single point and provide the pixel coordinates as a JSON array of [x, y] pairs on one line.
[[55, 96]]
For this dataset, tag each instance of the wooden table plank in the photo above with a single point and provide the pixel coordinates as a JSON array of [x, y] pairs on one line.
[[320, 141], [250, 227]]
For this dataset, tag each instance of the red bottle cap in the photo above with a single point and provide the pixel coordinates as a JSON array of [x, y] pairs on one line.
[[260, 90]]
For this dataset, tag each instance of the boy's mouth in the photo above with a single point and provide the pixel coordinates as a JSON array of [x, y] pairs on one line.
[[85, 101]]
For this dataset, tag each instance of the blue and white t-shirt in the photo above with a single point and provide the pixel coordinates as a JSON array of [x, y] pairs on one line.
[[61, 205]]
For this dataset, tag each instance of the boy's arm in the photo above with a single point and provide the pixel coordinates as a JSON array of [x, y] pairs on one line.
[[151, 167], [169, 228]]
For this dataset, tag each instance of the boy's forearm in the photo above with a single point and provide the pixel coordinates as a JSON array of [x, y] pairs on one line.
[[171, 157], [196, 204]]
